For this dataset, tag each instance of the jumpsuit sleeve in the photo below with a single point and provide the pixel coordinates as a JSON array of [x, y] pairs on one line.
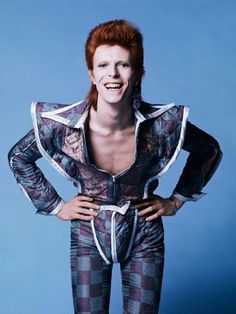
[[204, 157], [22, 160]]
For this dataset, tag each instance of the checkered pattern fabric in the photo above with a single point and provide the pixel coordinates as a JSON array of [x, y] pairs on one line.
[[141, 272]]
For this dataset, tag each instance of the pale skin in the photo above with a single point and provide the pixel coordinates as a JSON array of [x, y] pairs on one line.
[[111, 133]]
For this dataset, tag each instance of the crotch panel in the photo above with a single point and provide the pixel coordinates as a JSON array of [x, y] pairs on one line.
[[114, 231]]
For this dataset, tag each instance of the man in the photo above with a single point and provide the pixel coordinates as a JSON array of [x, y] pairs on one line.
[[113, 146]]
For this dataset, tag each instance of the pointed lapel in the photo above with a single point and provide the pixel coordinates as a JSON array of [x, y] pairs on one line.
[[73, 115]]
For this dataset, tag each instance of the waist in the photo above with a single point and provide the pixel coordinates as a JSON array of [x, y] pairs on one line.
[[119, 209], [120, 206]]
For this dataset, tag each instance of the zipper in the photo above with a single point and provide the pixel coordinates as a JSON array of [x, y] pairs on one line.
[[115, 189]]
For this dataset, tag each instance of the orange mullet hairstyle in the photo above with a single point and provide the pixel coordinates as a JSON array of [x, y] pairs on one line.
[[117, 32]]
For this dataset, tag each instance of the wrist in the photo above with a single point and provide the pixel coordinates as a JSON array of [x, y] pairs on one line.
[[177, 203], [173, 206]]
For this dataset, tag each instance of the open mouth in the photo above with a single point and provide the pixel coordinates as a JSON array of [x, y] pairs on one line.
[[113, 86]]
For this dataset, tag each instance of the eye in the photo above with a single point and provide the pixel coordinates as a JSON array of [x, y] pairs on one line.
[[102, 65], [125, 64]]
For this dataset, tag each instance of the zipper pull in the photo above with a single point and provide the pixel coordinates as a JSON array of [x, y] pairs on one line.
[[115, 189]]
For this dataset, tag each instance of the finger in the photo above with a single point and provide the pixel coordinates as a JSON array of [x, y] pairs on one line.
[[155, 216], [152, 217], [82, 217], [88, 212], [84, 198], [142, 204], [148, 202], [148, 210], [87, 205]]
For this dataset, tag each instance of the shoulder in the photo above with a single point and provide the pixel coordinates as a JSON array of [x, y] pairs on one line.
[[62, 113], [51, 119], [40, 106], [170, 112]]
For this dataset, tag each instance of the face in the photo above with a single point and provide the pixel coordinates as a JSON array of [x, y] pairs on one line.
[[112, 74]]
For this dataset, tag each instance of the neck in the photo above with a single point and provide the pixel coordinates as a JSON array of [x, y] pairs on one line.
[[112, 117]]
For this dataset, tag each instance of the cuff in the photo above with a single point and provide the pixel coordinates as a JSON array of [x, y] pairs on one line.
[[195, 197], [54, 212]]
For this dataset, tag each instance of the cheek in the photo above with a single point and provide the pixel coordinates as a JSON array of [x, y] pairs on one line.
[[98, 78], [93, 76], [131, 79], [130, 76]]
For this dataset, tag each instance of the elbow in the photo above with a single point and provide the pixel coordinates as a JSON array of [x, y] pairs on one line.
[[14, 159], [10, 157], [214, 161], [217, 152]]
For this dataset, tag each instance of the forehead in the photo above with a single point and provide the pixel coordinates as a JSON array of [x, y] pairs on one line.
[[115, 52]]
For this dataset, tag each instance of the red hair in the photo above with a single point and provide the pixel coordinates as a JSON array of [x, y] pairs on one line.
[[117, 32]]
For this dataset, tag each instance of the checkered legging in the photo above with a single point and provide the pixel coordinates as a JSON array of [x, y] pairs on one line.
[[141, 271]]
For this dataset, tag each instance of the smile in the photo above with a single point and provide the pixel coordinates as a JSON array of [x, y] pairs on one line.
[[113, 85]]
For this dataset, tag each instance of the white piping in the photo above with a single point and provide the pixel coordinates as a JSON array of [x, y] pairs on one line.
[[194, 198], [175, 155], [53, 115], [98, 244], [139, 116], [42, 150], [57, 209], [82, 119], [19, 153], [161, 110], [121, 210], [113, 238], [115, 209], [65, 108]]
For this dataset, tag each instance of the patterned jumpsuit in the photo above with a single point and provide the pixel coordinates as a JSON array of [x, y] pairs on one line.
[[117, 234]]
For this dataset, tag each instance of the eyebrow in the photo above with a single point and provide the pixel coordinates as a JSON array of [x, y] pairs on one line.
[[120, 61]]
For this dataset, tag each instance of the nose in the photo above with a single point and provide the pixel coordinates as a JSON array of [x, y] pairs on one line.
[[113, 71]]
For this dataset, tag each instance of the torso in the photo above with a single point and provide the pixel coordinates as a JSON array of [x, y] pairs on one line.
[[113, 153]]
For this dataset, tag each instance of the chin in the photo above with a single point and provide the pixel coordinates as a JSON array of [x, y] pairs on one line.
[[114, 100], [117, 99]]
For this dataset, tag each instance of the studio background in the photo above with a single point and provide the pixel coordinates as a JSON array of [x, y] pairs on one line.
[[189, 59]]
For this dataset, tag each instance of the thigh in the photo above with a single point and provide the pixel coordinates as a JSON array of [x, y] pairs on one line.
[[142, 271], [91, 276]]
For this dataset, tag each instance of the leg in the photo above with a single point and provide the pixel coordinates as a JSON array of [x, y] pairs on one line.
[[91, 276], [142, 271]]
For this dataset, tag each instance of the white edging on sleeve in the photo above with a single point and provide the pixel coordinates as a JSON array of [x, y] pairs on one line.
[[195, 197], [57, 209]]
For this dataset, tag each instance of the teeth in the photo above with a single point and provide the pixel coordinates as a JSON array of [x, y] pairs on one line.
[[113, 85]]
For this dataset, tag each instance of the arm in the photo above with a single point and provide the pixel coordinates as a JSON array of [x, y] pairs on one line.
[[204, 158], [22, 160]]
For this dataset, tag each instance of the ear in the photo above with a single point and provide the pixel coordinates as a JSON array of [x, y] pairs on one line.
[[90, 73]]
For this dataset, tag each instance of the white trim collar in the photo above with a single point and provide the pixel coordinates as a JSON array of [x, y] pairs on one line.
[[78, 122]]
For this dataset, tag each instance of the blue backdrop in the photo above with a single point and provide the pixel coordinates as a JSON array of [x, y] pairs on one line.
[[189, 59]]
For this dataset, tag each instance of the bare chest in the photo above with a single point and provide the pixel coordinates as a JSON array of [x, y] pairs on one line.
[[113, 153]]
